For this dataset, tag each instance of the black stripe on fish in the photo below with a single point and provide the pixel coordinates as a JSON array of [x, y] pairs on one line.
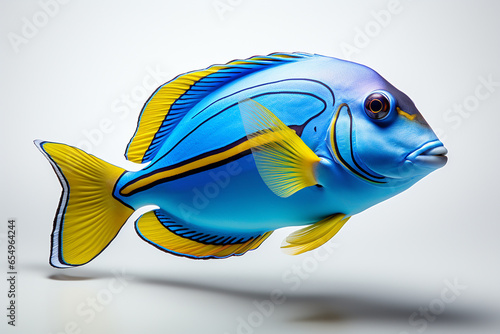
[[297, 128], [374, 178], [269, 83]]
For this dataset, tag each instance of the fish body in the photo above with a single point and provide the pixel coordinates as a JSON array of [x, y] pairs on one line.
[[236, 151]]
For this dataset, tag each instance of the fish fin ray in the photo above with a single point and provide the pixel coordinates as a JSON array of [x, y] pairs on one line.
[[172, 101], [88, 217], [313, 236], [284, 161], [152, 227]]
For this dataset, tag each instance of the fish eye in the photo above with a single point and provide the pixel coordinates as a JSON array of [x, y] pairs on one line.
[[377, 106]]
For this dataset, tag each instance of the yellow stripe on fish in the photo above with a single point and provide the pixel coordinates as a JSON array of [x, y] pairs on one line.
[[405, 114], [282, 158], [193, 165]]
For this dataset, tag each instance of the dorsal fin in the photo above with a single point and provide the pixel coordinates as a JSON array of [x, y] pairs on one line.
[[170, 102]]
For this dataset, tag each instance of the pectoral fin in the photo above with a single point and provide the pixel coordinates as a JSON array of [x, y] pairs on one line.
[[313, 236], [283, 160]]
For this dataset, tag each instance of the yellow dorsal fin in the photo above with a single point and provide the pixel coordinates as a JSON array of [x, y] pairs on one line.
[[155, 112], [173, 100], [285, 162], [313, 236]]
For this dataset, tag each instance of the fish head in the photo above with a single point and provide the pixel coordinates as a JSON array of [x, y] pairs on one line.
[[378, 134]]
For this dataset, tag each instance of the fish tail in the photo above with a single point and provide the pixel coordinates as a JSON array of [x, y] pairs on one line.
[[88, 217]]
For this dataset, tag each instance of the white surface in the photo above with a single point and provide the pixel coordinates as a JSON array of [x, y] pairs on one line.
[[72, 77]]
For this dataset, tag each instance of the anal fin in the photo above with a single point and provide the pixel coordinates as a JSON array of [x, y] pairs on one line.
[[315, 235], [172, 237]]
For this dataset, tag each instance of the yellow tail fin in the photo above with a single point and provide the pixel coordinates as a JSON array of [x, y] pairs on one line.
[[88, 217]]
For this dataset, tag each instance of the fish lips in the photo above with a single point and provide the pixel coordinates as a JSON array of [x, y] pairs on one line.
[[431, 155]]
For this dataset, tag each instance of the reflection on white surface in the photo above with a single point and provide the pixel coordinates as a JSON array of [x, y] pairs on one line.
[[100, 301]]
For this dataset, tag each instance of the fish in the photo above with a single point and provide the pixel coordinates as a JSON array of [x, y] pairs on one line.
[[228, 154]]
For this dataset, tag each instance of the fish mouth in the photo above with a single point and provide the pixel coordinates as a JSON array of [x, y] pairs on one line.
[[430, 155]]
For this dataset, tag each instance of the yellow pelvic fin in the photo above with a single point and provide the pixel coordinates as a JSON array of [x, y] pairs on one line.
[[285, 163], [150, 228], [88, 217], [313, 236]]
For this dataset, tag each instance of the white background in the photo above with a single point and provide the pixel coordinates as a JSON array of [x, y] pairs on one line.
[[66, 70]]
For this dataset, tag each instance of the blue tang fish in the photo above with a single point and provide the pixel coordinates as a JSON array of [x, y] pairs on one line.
[[233, 152]]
